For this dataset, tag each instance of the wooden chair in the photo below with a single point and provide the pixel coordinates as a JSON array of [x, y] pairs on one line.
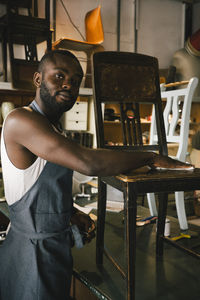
[[130, 80], [28, 30], [177, 119], [94, 39]]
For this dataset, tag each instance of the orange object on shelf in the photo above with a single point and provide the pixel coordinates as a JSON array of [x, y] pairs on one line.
[[94, 39]]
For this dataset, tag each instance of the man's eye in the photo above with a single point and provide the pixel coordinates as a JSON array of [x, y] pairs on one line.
[[59, 76]]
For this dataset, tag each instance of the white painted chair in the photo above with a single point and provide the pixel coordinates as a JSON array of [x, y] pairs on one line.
[[176, 114]]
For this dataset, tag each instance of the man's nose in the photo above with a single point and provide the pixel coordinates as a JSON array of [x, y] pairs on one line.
[[67, 84]]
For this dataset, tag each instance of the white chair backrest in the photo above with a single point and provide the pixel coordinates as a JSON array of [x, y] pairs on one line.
[[176, 115]]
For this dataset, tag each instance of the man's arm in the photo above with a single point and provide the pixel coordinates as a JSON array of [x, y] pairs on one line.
[[27, 132]]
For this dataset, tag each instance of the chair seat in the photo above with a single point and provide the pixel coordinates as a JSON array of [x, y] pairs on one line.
[[176, 177], [22, 74], [25, 25], [75, 45], [21, 20]]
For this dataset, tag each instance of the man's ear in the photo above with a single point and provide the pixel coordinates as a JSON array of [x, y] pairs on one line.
[[37, 79]]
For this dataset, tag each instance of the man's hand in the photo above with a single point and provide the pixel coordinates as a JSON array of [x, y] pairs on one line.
[[85, 225], [167, 162]]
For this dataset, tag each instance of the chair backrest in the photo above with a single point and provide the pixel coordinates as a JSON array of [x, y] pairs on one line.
[[22, 74], [93, 26], [128, 81], [176, 117], [13, 7]]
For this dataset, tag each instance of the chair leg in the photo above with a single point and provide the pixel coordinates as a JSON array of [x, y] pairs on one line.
[[152, 204], [49, 41], [88, 77], [162, 212], [130, 211], [4, 55], [180, 208], [101, 212]]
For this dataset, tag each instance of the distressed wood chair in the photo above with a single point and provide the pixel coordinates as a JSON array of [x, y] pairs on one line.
[[131, 80]]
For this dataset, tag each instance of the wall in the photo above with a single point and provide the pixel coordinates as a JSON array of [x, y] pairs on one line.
[[160, 31], [160, 25], [196, 18], [77, 10]]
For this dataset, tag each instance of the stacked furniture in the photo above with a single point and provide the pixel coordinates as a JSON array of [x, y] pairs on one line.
[[27, 30]]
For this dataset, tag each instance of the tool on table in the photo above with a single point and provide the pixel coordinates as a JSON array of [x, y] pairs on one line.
[[145, 221]]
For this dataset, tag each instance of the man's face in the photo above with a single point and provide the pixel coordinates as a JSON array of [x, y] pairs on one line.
[[60, 84]]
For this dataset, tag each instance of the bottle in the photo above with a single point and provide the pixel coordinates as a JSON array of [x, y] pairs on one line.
[[167, 227]]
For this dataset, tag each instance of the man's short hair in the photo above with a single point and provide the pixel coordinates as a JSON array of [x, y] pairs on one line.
[[50, 56]]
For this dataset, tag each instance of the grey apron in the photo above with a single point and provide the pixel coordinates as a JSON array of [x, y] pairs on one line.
[[35, 259]]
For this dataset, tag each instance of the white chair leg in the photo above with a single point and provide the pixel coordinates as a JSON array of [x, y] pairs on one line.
[[180, 208], [152, 204]]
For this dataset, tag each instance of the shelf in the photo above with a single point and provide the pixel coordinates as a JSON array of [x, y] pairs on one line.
[[188, 1], [196, 99], [85, 92], [118, 122], [7, 87], [145, 122]]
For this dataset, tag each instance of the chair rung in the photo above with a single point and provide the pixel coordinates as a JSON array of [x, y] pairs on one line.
[[175, 244], [116, 265]]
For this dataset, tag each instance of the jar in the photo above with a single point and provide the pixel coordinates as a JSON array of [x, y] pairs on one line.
[[6, 107]]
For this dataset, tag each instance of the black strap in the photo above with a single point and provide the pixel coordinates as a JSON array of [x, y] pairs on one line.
[[36, 108]]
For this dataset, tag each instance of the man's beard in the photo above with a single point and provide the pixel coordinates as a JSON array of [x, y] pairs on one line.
[[50, 103]]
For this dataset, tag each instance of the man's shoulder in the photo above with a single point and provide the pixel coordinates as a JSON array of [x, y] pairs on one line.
[[23, 114], [23, 119], [19, 111]]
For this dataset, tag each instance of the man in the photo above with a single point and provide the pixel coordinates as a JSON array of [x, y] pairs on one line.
[[37, 162]]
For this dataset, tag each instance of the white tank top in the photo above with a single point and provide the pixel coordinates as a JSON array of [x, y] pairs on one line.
[[17, 181]]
